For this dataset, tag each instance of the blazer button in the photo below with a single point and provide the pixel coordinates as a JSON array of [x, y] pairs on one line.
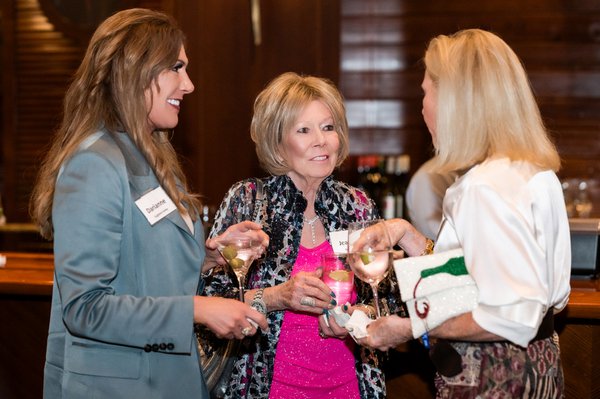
[[148, 348], [170, 346], [163, 346], [155, 347]]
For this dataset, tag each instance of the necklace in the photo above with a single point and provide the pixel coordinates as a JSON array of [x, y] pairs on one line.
[[311, 223]]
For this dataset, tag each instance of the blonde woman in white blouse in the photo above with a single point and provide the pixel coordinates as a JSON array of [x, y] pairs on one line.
[[506, 211]]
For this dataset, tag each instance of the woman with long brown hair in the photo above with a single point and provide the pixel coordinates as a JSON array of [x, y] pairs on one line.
[[128, 243]]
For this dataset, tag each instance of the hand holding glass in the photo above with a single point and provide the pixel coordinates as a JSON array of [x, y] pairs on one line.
[[369, 249], [239, 251]]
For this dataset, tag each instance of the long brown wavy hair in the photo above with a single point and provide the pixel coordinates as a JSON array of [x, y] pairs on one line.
[[125, 56]]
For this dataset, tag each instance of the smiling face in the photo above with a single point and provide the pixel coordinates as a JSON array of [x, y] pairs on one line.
[[164, 97], [310, 146], [429, 110]]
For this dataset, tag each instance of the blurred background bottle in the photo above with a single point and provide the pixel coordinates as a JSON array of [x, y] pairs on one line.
[[2, 215], [583, 203], [401, 180], [388, 193], [385, 179], [578, 197], [208, 215]]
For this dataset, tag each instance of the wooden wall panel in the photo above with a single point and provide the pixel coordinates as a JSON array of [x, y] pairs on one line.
[[229, 71], [383, 41], [579, 341], [39, 60], [379, 59], [40, 80], [25, 320]]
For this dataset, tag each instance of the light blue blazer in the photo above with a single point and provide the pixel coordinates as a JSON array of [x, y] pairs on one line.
[[121, 323]]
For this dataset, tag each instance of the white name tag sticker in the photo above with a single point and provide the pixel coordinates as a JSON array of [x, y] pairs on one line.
[[339, 241], [155, 205]]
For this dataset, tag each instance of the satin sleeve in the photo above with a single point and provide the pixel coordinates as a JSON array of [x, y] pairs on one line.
[[504, 258]]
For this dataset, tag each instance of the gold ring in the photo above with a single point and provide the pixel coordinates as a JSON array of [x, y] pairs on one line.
[[246, 331]]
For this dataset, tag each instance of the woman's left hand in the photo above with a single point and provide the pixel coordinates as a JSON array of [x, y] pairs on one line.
[[329, 328], [247, 228], [387, 332]]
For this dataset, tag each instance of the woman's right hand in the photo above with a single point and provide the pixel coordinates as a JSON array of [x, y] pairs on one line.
[[246, 228], [303, 292], [228, 318], [407, 236]]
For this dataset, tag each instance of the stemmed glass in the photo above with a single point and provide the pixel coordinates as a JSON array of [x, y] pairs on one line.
[[239, 251], [369, 251]]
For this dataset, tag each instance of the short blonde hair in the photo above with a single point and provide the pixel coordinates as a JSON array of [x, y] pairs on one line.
[[277, 107], [485, 105]]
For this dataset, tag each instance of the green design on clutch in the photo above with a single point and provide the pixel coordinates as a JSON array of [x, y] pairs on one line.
[[454, 266]]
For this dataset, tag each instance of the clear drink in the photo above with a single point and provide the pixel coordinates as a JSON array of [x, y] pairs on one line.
[[369, 248], [239, 252], [370, 267], [239, 260]]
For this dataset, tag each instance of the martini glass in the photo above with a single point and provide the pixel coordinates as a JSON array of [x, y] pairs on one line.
[[239, 251], [369, 251]]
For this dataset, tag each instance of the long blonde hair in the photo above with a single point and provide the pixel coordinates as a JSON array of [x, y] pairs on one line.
[[125, 56], [485, 105]]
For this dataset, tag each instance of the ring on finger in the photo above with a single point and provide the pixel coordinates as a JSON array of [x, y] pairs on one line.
[[307, 301], [322, 334], [246, 331]]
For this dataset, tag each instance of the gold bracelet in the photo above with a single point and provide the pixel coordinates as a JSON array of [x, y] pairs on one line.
[[370, 311], [429, 244]]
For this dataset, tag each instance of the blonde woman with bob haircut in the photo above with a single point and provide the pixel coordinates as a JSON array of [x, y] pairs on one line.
[[128, 243], [507, 214], [273, 115], [300, 131]]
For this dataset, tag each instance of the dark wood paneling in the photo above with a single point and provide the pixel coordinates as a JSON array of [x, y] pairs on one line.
[[39, 60], [383, 41], [558, 42], [499, 7], [38, 94], [580, 346], [229, 71], [25, 320]]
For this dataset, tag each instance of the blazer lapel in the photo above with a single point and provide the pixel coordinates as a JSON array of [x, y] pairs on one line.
[[142, 179]]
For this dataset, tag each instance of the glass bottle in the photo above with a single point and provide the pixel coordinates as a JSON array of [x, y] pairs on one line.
[[2, 215]]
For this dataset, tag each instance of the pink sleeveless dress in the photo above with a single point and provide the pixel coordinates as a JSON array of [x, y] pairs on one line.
[[306, 365]]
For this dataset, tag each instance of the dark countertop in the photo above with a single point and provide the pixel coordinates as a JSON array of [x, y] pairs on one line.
[[33, 274]]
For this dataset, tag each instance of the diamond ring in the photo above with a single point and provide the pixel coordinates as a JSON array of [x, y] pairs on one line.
[[307, 301], [246, 331]]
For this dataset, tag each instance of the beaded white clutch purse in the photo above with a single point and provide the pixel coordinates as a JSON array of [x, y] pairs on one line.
[[435, 288]]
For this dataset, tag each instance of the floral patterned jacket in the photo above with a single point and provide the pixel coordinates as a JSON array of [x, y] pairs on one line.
[[337, 204]]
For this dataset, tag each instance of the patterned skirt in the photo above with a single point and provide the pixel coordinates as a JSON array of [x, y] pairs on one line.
[[503, 370]]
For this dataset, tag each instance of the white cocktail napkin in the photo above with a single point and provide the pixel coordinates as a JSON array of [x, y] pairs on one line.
[[357, 324]]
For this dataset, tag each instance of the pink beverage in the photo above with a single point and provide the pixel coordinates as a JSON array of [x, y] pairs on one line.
[[339, 277]]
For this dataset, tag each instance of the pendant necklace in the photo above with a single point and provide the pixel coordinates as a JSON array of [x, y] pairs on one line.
[[311, 223]]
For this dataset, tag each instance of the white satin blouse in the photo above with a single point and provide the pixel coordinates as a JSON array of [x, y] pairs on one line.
[[510, 219]]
